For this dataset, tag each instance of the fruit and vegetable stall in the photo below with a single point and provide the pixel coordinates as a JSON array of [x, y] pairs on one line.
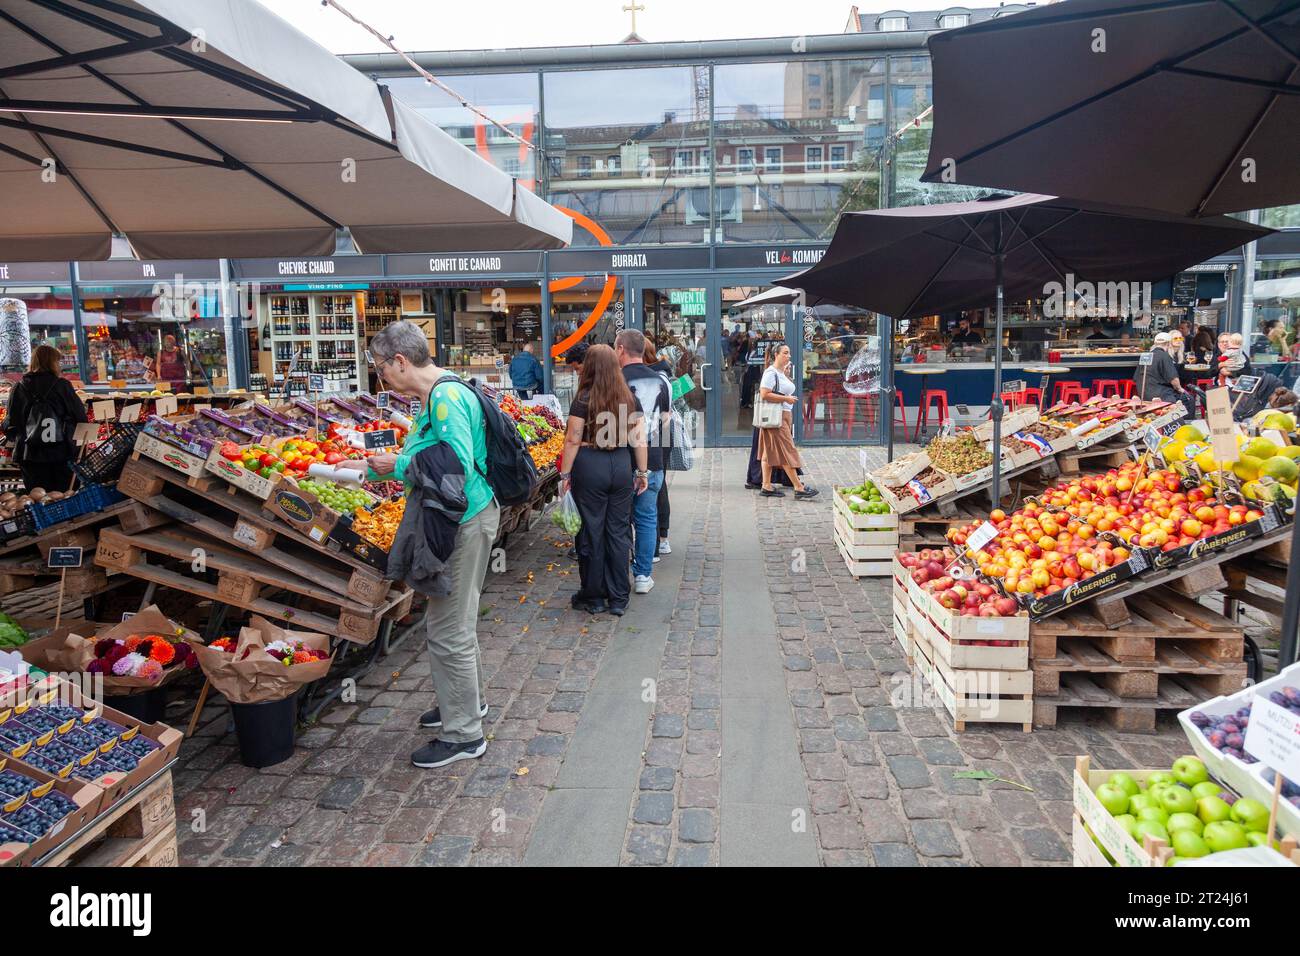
[[271, 559]]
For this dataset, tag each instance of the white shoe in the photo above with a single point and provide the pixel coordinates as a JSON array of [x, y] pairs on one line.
[[665, 547], [644, 583], [656, 559]]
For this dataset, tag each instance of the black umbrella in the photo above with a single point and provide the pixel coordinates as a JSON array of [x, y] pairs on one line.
[[920, 260], [1187, 106]]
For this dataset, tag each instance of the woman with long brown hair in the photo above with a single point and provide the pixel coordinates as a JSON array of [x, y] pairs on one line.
[[603, 440], [44, 412]]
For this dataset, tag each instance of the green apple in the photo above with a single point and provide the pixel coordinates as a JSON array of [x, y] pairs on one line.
[[1125, 783], [1140, 802], [1113, 798], [1174, 860], [1189, 844], [1184, 821], [1225, 835], [1212, 810], [1158, 814], [1190, 771], [1177, 800], [1255, 838], [1129, 822], [1207, 788], [1251, 814], [1151, 828], [1158, 778]]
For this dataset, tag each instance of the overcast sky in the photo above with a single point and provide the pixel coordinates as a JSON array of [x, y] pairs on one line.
[[479, 24]]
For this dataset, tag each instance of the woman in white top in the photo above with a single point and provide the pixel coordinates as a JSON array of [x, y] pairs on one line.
[[776, 445]]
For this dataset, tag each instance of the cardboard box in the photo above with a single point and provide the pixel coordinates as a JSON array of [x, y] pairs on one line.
[[173, 456], [88, 798], [302, 511]]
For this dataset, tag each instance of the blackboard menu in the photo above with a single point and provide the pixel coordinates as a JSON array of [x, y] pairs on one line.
[[1184, 292]]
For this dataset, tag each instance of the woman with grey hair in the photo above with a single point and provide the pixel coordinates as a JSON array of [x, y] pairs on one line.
[[449, 413]]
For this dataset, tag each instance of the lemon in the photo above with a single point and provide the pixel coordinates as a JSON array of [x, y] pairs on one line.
[[1290, 451], [1261, 448], [1278, 420], [1187, 433], [1253, 490], [1247, 469], [1174, 451], [1280, 468], [1205, 461]]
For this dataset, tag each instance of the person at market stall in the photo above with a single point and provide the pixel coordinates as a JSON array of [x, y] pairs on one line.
[[605, 464], [1159, 378], [134, 369], [41, 422], [170, 365], [1098, 333], [526, 372], [1269, 392], [653, 361], [655, 399], [450, 413], [965, 335], [776, 445]]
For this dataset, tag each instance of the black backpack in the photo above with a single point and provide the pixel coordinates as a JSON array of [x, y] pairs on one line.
[[45, 420], [510, 469]]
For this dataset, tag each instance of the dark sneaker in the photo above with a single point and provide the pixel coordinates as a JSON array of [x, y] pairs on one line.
[[618, 610], [432, 719], [772, 493], [439, 753], [806, 493]]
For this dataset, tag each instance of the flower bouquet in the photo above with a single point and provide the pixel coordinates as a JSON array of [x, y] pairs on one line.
[[143, 652], [264, 663]]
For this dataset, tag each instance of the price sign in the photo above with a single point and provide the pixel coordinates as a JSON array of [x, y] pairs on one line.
[[1151, 437], [1273, 737], [1218, 416], [383, 399], [85, 432], [130, 413], [1016, 386], [103, 411], [1246, 384], [862, 458], [416, 406], [165, 406], [1146, 358], [65, 558], [384, 438], [981, 536], [315, 382]]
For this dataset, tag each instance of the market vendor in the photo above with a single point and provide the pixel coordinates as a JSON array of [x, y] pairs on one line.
[[965, 335], [1157, 376]]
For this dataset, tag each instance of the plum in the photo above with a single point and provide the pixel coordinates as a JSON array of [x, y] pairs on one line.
[[1292, 694], [1277, 697], [1230, 727], [1198, 719], [1217, 739], [1235, 741]]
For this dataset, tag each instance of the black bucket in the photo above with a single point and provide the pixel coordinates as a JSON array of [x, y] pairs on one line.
[[148, 707], [266, 731]]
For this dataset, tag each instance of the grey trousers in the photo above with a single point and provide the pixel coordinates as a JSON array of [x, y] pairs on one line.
[[452, 636]]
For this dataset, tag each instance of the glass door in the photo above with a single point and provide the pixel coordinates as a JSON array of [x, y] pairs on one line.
[[747, 326], [676, 318]]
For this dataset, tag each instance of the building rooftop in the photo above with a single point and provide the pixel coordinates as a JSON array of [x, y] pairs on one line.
[[928, 20]]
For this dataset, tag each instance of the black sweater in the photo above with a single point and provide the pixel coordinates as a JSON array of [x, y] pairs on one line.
[[71, 410]]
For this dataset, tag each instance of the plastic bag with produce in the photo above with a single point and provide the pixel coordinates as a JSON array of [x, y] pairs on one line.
[[565, 515]]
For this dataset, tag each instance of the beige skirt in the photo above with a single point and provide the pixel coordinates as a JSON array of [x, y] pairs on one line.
[[776, 445]]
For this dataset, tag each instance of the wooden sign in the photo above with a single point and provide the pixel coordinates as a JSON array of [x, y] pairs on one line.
[[1218, 416], [165, 406], [103, 411], [201, 406], [130, 413], [85, 432], [65, 557]]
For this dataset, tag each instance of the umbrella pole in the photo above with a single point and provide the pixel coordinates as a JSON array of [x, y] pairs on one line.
[[887, 370], [995, 494]]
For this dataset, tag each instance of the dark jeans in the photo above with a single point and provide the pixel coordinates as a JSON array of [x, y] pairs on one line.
[[49, 475], [663, 506], [602, 490]]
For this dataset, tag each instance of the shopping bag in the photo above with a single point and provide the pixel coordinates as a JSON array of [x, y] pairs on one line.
[[681, 454], [681, 385], [768, 414], [565, 516]]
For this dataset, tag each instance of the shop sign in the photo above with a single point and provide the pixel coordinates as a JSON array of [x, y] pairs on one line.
[[140, 270], [604, 260], [492, 263], [691, 301], [321, 269], [769, 257], [33, 272]]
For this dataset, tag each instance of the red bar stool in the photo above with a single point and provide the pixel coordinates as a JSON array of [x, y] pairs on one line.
[[1068, 392], [1033, 396], [902, 409], [1204, 383], [851, 413], [936, 397], [1126, 388], [1013, 400], [1101, 386]]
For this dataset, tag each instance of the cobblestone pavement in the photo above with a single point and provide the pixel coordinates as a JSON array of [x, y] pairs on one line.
[[753, 708]]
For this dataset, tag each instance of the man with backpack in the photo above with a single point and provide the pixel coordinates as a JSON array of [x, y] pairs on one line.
[[44, 412], [497, 470]]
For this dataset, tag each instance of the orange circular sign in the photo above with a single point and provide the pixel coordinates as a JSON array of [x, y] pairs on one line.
[[568, 282]]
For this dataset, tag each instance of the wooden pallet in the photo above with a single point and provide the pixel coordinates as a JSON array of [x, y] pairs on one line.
[[229, 515], [140, 831], [1135, 715], [246, 582], [112, 512], [1244, 576], [1075, 461]]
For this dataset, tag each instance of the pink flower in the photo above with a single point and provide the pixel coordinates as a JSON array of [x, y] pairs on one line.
[[150, 670], [129, 665]]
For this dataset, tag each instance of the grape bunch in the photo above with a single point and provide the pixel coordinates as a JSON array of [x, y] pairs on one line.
[[335, 496]]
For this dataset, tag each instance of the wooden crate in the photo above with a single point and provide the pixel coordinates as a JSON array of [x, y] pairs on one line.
[[874, 561], [903, 629], [17, 575], [1110, 833], [1086, 851], [861, 522], [139, 831], [983, 696], [962, 648], [241, 581], [232, 516]]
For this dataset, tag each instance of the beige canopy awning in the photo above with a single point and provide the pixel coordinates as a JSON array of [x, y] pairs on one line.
[[211, 128]]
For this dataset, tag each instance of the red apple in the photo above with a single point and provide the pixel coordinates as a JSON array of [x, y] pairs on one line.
[[1006, 606]]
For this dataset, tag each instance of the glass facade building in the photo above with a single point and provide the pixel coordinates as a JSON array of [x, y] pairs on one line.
[[697, 175]]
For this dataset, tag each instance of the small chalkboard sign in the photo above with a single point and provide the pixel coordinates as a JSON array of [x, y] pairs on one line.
[[1246, 384], [65, 557], [383, 438], [383, 399], [315, 382], [416, 406], [1146, 358]]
